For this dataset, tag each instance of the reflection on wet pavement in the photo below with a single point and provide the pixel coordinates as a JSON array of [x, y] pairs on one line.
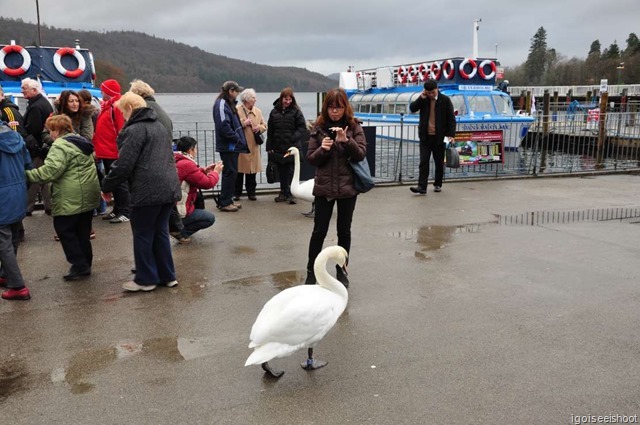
[[432, 238], [13, 377], [281, 280]]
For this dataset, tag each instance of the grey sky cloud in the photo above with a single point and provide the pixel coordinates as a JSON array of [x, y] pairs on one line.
[[329, 36]]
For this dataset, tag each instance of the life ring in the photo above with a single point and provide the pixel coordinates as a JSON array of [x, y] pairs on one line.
[[69, 73], [413, 74], [423, 72], [26, 60], [402, 74], [490, 75], [448, 69], [474, 69], [93, 67], [436, 71]]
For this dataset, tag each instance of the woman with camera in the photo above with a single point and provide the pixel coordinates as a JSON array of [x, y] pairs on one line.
[[336, 139]]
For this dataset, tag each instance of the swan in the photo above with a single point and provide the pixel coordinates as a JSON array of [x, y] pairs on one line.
[[300, 316], [300, 190]]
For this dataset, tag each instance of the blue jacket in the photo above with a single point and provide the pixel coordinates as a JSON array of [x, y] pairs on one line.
[[229, 131], [14, 159]]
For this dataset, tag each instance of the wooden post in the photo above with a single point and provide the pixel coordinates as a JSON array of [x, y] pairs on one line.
[[602, 130], [545, 113], [527, 106]]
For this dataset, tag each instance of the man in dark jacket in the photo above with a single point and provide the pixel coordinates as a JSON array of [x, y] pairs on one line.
[[230, 142], [38, 110], [437, 120]]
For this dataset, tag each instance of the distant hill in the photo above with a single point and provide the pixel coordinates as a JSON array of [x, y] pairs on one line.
[[168, 66]]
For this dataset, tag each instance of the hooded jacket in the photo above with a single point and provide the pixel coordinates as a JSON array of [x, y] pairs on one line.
[[145, 161], [71, 169], [14, 159], [10, 113], [108, 124], [229, 131]]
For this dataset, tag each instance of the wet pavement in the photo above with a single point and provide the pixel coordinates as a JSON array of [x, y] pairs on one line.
[[456, 315]]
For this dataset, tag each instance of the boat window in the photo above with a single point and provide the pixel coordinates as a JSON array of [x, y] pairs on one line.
[[401, 108], [504, 106], [388, 108], [480, 104], [376, 108], [365, 108], [458, 104]]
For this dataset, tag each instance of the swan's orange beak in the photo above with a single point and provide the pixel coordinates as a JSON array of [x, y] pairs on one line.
[[286, 155]]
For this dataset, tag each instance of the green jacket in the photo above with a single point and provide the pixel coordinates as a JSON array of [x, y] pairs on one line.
[[71, 169]]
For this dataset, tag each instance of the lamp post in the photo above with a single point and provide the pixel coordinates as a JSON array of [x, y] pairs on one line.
[[620, 68]]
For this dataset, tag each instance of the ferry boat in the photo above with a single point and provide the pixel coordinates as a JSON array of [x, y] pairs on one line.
[[57, 68], [485, 116]]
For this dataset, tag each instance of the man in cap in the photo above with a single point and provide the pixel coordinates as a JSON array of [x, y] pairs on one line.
[[230, 142]]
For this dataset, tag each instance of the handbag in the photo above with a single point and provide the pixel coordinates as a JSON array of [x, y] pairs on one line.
[[198, 203], [259, 138], [272, 172], [362, 180], [452, 158]]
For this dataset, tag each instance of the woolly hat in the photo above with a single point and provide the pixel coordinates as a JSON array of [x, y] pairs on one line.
[[110, 87]]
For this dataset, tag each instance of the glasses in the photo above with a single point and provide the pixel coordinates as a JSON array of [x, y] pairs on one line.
[[336, 108]]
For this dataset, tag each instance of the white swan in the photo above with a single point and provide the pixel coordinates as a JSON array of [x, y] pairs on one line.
[[300, 316], [300, 190]]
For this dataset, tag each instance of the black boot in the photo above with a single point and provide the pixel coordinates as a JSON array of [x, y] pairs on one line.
[[342, 276], [311, 278]]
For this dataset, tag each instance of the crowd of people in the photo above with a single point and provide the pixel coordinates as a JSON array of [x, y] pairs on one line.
[[79, 159]]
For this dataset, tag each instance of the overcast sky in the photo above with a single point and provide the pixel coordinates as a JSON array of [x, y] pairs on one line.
[[328, 36]]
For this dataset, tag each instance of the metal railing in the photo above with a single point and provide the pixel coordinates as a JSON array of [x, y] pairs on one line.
[[562, 142]]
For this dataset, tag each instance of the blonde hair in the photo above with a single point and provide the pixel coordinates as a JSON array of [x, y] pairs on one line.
[[60, 123], [132, 100], [142, 88]]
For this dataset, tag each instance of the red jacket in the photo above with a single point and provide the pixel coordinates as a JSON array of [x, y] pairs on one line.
[[108, 125], [189, 171]]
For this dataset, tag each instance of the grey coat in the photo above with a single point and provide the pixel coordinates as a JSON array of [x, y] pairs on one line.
[[146, 161]]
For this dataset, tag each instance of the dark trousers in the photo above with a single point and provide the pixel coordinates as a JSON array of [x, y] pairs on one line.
[[229, 173], [120, 194], [427, 147], [324, 210], [9, 239], [151, 245], [286, 175], [175, 221], [74, 232], [250, 185]]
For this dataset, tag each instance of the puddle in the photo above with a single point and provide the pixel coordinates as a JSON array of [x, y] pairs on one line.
[[433, 238], [540, 218], [77, 375], [281, 280], [13, 377]]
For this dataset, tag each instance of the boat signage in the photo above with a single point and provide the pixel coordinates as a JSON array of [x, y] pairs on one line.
[[479, 147], [483, 126]]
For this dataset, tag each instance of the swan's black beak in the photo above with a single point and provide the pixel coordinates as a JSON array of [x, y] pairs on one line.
[[344, 268]]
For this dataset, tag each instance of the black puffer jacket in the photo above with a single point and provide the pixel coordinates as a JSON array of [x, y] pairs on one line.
[[38, 110], [145, 159], [286, 128]]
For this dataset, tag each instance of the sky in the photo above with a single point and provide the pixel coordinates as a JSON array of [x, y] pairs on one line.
[[331, 35]]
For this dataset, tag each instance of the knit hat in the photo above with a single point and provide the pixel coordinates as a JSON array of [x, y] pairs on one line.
[[110, 87]]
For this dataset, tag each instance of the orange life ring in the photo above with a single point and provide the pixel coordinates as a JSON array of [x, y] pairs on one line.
[[474, 69], [448, 69], [26, 60], [481, 72], [69, 73], [436, 71]]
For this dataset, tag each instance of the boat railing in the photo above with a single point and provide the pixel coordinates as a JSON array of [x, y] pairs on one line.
[[556, 143]]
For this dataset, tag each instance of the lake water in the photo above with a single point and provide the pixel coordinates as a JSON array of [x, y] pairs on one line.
[[197, 107]]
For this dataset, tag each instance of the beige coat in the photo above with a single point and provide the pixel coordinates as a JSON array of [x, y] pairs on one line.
[[251, 163]]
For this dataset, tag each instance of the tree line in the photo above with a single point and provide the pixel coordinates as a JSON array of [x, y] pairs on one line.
[[547, 67]]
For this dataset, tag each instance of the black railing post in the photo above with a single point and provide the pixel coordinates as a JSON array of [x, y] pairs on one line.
[[401, 140]]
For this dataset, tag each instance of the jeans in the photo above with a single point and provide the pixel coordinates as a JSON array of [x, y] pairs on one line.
[[427, 147], [197, 220], [8, 249], [324, 210], [229, 173], [74, 232], [151, 245], [120, 194]]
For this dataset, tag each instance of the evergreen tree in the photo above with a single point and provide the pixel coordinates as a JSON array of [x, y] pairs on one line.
[[595, 49], [535, 64], [633, 45], [612, 52]]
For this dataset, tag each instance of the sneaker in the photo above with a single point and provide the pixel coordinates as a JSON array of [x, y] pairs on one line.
[[229, 208], [238, 205], [109, 216], [3, 281], [252, 197], [119, 219], [170, 284], [437, 189], [236, 198], [281, 198], [418, 189], [183, 239], [131, 286], [16, 294]]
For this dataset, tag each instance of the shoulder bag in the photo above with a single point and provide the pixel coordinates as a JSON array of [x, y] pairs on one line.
[[362, 180]]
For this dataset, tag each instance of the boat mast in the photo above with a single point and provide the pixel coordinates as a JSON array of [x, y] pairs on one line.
[[476, 27], [39, 33]]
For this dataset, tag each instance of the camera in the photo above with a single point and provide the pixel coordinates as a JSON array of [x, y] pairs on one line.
[[332, 134]]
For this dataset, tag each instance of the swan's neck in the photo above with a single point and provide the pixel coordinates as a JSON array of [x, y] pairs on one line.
[[326, 280], [296, 168]]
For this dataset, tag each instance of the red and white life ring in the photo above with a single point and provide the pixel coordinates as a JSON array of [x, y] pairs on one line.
[[403, 74], [463, 73], [70, 73], [26, 60], [413, 74], [93, 67], [448, 69], [436, 71], [481, 72], [423, 72]]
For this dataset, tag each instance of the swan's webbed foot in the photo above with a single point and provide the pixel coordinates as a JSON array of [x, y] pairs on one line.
[[270, 371], [311, 213], [311, 363]]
